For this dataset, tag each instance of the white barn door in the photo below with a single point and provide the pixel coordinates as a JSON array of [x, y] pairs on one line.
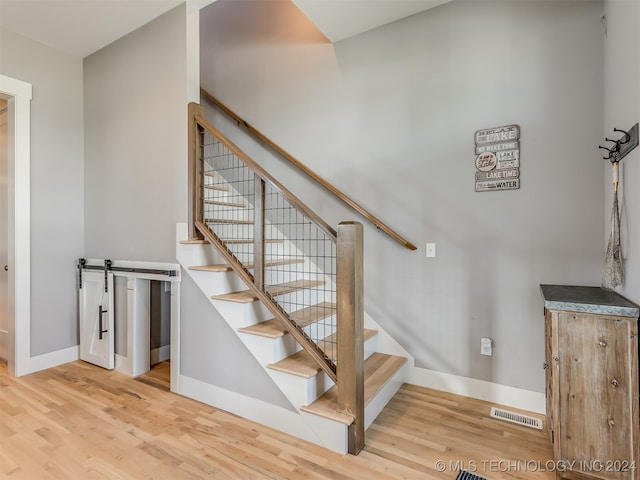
[[97, 339]]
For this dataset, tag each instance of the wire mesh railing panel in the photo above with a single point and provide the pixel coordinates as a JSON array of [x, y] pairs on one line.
[[307, 264], [228, 198], [298, 255]]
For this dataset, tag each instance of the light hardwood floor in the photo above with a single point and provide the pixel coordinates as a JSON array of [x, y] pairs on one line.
[[78, 421]]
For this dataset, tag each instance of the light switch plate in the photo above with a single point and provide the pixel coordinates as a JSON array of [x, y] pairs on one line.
[[431, 250]]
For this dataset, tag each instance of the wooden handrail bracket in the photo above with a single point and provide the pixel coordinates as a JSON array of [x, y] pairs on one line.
[[338, 193]]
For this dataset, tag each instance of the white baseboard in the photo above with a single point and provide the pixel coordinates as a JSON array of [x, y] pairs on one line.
[[465, 386], [480, 389], [160, 354], [49, 360], [4, 345], [259, 411], [123, 364]]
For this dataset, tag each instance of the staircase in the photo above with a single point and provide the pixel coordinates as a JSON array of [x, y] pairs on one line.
[[273, 270]]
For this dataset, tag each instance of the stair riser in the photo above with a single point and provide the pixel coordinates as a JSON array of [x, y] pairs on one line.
[[214, 193], [199, 255], [223, 282], [224, 230], [307, 390], [239, 315], [330, 434], [321, 329], [301, 391], [334, 435], [245, 250], [227, 213], [270, 350], [370, 346], [373, 409], [301, 298]]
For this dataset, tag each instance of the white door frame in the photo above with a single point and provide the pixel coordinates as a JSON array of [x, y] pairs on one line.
[[19, 184]]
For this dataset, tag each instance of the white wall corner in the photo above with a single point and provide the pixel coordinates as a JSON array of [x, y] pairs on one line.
[[193, 51]]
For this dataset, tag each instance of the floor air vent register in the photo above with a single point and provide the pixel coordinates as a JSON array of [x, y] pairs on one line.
[[518, 418]]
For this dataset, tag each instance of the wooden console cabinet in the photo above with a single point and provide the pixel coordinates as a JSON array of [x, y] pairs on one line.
[[591, 364]]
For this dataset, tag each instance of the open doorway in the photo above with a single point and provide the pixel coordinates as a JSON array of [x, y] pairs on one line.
[[17, 290], [4, 231]]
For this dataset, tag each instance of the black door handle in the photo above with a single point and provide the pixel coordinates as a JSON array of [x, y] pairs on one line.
[[100, 313]]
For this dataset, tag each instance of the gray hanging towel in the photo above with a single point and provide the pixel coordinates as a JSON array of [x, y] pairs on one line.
[[613, 274]]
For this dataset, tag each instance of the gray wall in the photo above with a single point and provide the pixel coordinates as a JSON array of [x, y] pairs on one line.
[[160, 313], [212, 352], [622, 110], [136, 186], [57, 203], [159, 299], [135, 144], [389, 116]]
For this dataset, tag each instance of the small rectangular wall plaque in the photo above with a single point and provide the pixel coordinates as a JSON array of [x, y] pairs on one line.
[[497, 158]]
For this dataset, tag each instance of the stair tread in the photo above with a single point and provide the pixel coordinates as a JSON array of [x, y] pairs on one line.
[[314, 313], [211, 268], [221, 188], [229, 241], [303, 365], [378, 370], [330, 347], [269, 328], [273, 328], [250, 240], [300, 364], [247, 296], [225, 204], [289, 287], [225, 267], [279, 262], [228, 220]]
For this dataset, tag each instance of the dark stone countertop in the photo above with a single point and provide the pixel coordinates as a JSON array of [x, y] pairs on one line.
[[588, 300]]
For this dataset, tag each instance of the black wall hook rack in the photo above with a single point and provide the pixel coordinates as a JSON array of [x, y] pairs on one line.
[[622, 146]]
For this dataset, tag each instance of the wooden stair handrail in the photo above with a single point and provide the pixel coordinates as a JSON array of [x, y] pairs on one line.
[[342, 196]]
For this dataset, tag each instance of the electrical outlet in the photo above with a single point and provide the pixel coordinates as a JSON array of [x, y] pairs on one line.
[[431, 250], [486, 346]]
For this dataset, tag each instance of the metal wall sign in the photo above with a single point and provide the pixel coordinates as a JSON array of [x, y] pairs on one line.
[[497, 158]]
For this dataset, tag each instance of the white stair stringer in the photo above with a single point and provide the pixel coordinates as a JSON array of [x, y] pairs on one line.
[[299, 391]]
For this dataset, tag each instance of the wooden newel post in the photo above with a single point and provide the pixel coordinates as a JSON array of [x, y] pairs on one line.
[[194, 166], [350, 311]]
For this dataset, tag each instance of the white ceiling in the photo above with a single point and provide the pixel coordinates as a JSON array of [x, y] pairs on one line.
[[81, 27], [340, 19]]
